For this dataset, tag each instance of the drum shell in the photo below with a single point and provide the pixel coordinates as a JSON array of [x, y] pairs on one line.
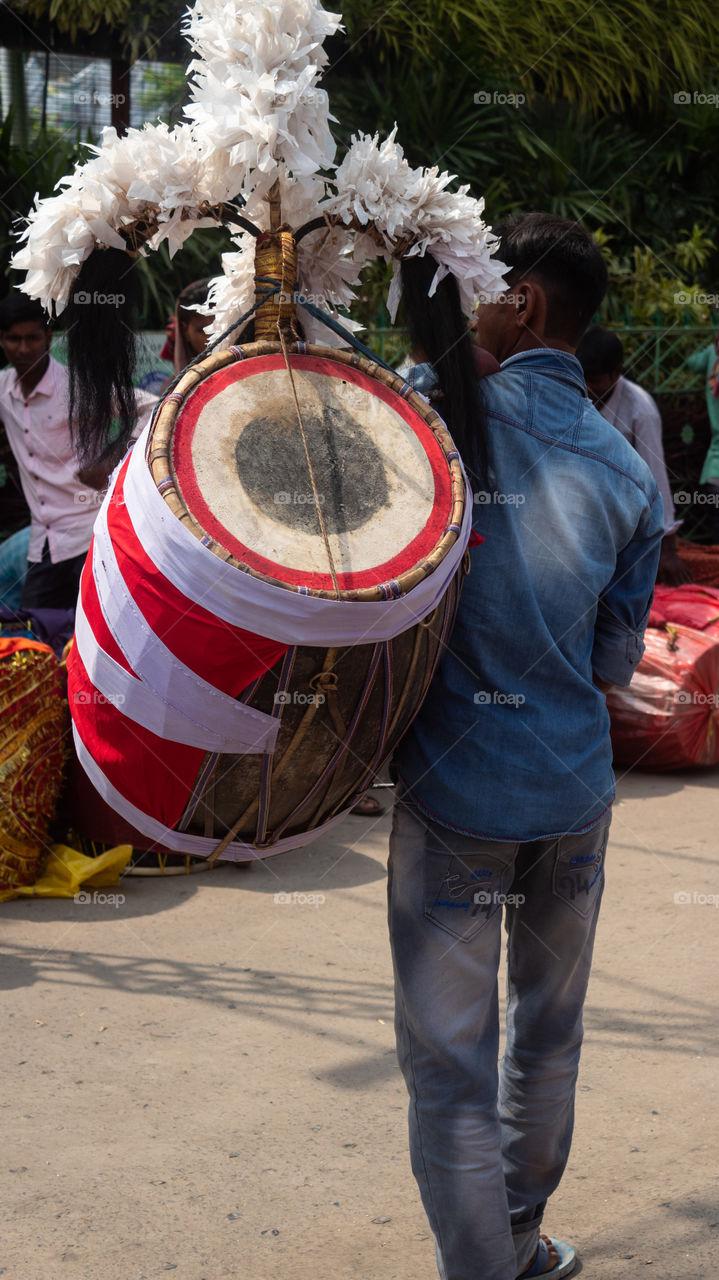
[[341, 711], [321, 764]]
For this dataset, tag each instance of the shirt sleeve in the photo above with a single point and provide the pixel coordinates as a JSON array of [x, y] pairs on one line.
[[144, 404], [647, 424], [624, 606], [699, 359]]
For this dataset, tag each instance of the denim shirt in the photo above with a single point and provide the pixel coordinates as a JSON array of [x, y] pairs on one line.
[[512, 742]]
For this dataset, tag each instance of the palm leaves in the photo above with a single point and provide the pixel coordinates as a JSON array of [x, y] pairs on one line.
[[599, 55]]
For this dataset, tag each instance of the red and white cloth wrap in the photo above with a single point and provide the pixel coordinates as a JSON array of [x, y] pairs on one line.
[[167, 638]]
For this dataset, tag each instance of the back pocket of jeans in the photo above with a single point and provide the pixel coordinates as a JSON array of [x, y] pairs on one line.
[[579, 869], [464, 891]]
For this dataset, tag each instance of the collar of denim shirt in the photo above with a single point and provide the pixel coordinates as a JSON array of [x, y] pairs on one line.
[[550, 361]]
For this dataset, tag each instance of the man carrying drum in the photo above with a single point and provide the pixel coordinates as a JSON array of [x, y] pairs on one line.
[[505, 778]]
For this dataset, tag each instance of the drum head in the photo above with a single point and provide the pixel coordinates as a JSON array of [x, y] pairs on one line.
[[381, 470]]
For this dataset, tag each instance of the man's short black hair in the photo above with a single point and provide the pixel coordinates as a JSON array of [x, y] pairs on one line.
[[16, 308], [193, 294], [567, 262], [600, 351]]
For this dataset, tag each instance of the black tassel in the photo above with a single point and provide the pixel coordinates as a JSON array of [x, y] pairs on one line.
[[101, 353]]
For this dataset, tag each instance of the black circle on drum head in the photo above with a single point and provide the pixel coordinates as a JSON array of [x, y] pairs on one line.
[[348, 468]]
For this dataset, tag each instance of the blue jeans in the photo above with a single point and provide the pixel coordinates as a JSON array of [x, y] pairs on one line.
[[489, 1146]]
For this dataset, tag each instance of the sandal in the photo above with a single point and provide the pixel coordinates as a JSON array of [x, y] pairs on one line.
[[367, 807], [567, 1260]]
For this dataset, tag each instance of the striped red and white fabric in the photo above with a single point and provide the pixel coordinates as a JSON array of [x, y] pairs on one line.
[[144, 712], [168, 636]]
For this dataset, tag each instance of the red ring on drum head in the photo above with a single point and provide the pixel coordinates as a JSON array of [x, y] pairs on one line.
[[406, 559]]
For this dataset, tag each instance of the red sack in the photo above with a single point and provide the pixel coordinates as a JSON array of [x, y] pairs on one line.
[[668, 718], [702, 561], [691, 605]]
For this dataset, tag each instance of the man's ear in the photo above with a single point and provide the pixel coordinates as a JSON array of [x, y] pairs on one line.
[[531, 307]]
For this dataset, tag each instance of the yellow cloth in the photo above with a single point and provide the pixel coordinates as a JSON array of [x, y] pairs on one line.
[[67, 870]]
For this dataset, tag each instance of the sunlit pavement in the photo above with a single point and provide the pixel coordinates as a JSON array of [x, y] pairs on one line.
[[199, 1076]]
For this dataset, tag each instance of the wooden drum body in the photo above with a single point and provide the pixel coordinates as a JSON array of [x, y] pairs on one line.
[[274, 574]]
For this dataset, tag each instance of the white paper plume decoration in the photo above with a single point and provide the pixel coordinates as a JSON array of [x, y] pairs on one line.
[[257, 116]]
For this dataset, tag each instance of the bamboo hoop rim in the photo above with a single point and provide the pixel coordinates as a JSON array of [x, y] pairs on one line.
[[159, 459]]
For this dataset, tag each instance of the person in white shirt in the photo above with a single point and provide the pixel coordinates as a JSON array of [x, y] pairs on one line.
[[632, 411], [34, 412]]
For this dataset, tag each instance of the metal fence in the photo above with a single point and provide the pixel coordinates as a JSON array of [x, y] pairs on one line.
[[73, 93], [657, 357]]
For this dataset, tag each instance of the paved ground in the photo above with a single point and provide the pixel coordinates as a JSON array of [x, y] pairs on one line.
[[202, 1080]]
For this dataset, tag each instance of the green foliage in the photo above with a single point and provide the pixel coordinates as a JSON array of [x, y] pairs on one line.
[[599, 55], [660, 287], [528, 105], [36, 167], [644, 176], [162, 278], [163, 93]]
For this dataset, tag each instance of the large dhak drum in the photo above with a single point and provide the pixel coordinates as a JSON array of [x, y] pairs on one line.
[[273, 576]]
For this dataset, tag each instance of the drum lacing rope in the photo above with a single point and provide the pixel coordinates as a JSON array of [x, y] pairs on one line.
[[310, 468], [262, 800]]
